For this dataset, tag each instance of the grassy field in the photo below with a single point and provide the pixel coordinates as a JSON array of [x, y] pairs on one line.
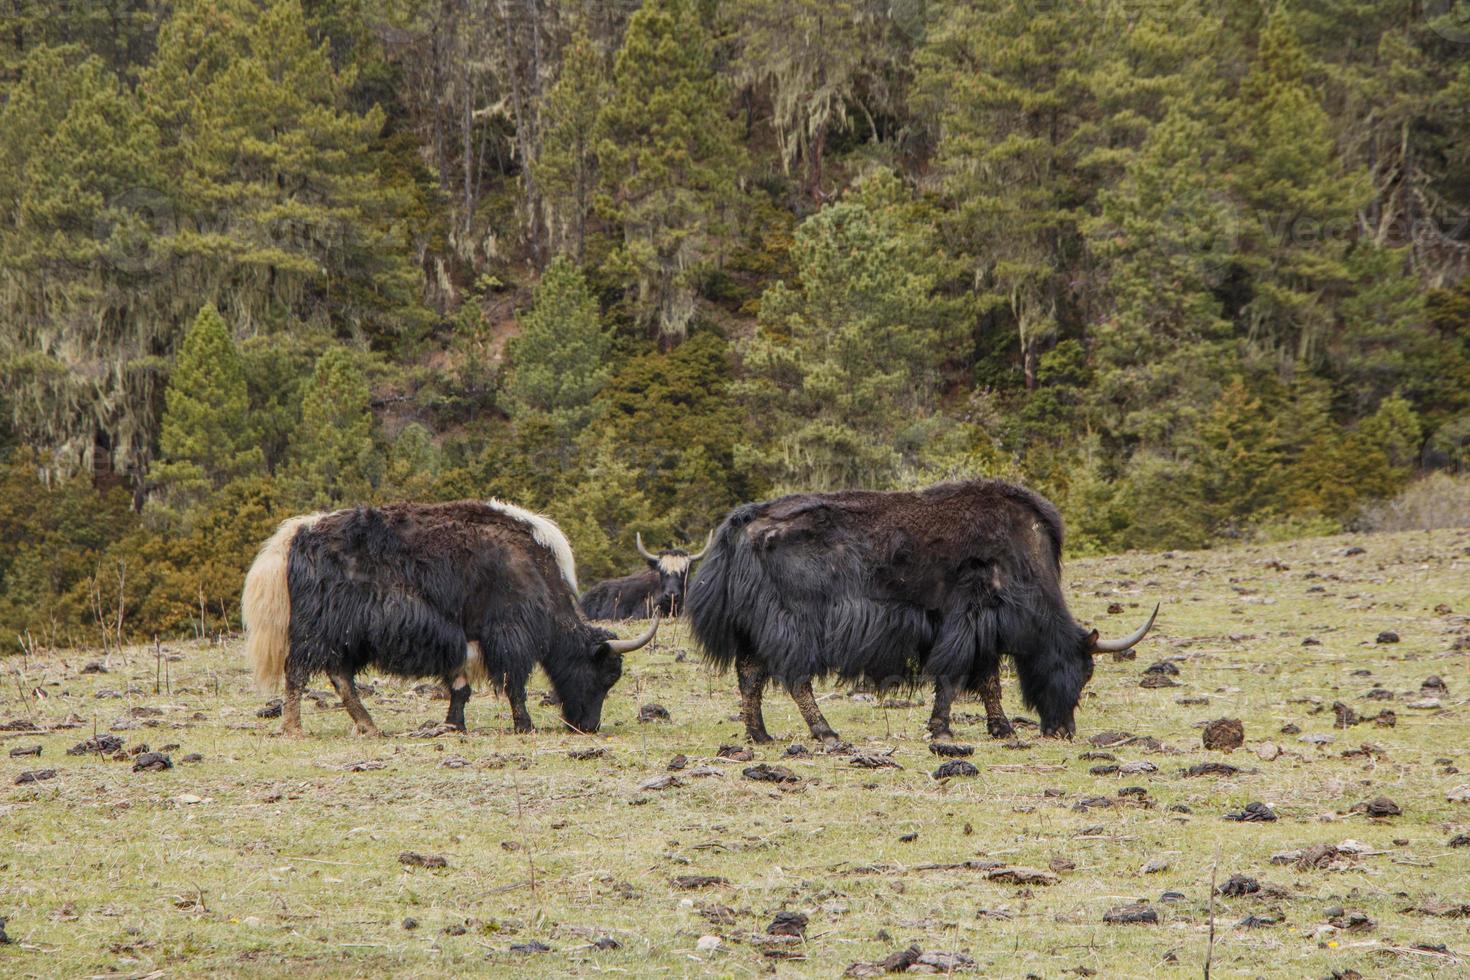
[[267, 855]]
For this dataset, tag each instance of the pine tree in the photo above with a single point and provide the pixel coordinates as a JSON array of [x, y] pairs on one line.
[[1167, 236], [668, 159], [333, 458], [811, 56], [84, 318], [206, 439], [560, 355], [281, 193], [845, 362], [1296, 202], [566, 169]]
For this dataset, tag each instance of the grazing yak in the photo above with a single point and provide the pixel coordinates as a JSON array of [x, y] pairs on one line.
[[659, 587], [463, 592], [894, 587]]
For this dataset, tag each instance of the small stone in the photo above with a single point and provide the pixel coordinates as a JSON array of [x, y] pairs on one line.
[[410, 923], [787, 924], [1237, 885], [1224, 734], [1137, 768], [678, 762], [764, 773], [1436, 684], [1379, 808], [1253, 813], [191, 757], [653, 712], [1156, 865], [1131, 915], [35, 776], [272, 709], [21, 751], [955, 767], [1257, 921], [413, 859], [152, 762], [708, 944], [1387, 636], [661, 782], [1291, 729], [1424, 704], [1268, 751]]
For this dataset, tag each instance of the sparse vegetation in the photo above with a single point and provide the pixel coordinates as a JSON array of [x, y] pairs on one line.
[[254, 853]]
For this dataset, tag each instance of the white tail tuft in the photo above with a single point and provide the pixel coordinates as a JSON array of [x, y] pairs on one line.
[[265, 605], [547, 534]]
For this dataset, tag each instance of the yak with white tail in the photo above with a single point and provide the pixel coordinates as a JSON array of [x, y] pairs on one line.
[[466, 592]]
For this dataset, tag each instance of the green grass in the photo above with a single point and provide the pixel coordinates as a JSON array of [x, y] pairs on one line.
[[290, 862]]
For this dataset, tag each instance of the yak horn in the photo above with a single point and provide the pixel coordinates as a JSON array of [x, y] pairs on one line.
[[1128, 642], [707, 542], [638, 539], [628, 646]]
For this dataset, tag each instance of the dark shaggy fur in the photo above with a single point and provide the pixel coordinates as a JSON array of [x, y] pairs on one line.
[[405, 587], [658, 588], [891, 588], [629, 597]]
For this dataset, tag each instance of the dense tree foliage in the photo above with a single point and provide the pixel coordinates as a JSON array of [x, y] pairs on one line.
[[1195, 270]]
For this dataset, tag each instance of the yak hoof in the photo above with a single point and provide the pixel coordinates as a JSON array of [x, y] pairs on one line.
[[369, 731], [295, 732], [939, 734], [524, 728], [999, 728], [759, 738]]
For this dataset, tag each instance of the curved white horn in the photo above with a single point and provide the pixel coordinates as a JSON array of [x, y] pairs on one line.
[[628, 646], [1129, 641], [707, 542], [638, 540]]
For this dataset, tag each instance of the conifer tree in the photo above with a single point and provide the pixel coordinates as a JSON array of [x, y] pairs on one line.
[[566, 169], [206, 438], [668, 159], [845, 361], [333, 457], [560, 355]]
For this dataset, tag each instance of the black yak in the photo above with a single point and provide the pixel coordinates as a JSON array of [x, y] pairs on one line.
[[657, 588], [459, 591], [891, 588]]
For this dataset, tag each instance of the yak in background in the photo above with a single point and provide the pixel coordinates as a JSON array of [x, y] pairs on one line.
[[464, 592], [892, 588], [659, 588]]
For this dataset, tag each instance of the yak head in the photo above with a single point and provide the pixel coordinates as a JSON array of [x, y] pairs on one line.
[[583, 679], [1057, 694], [673, 567]]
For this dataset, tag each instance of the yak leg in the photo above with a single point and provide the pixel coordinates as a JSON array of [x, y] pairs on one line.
[[291, 704], [753, 678], [806, 702], [943, 699], [515, 690], [459, 695], [347, 691], [996, 721]]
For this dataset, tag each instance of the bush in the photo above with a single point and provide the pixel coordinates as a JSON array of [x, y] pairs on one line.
[[1439, 500]]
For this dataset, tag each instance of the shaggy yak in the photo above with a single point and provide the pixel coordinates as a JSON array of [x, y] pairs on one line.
[[894, 587], [659, 587], [463, 592]]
